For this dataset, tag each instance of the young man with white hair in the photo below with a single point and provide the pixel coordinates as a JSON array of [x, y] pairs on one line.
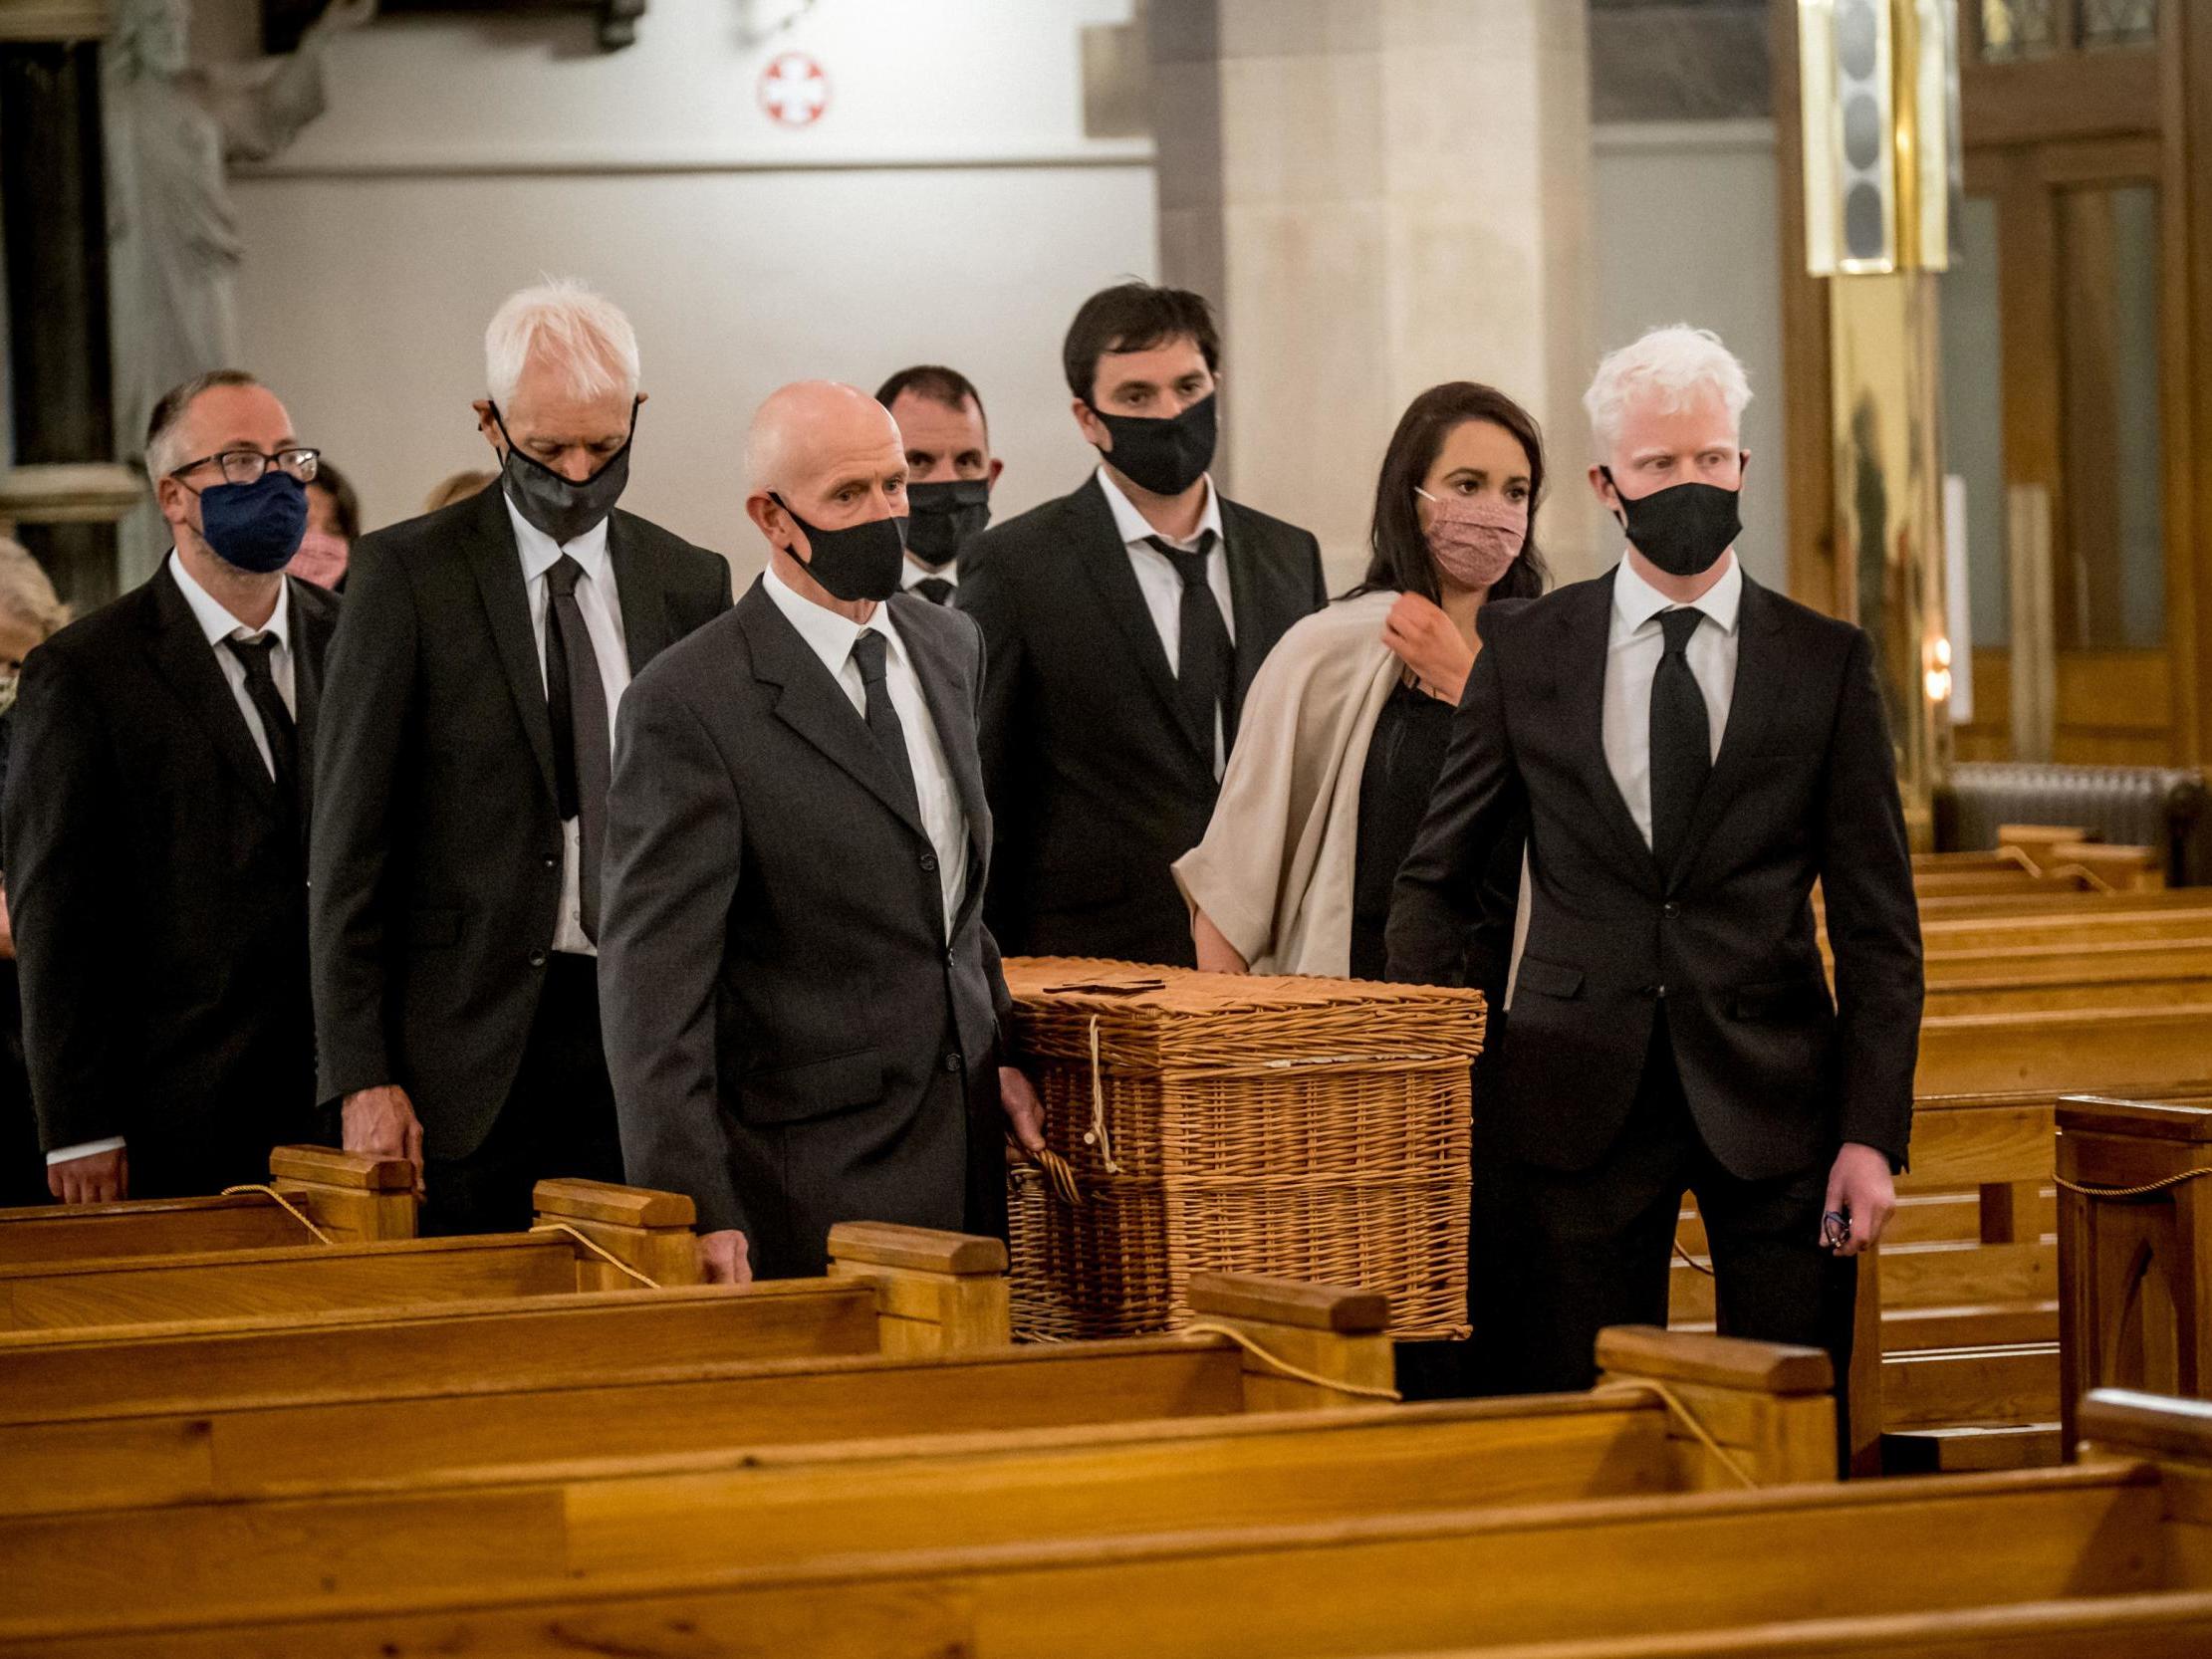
[[461, 779], [1693, 752]]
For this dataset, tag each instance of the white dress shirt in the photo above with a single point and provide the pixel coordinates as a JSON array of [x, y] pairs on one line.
[[1159, 582], [218, 625], [831, 637], [911, 573], [1632, 654], [600, 605]]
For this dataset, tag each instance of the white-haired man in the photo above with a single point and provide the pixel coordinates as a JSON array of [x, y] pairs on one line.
[[1694, 752], [461, 779]]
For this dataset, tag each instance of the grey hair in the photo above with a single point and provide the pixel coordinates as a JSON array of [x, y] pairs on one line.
[[1673, 363], [564, 322], [164, 452], [25, 593]]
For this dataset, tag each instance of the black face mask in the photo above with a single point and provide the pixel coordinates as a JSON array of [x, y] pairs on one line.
[[1684, 528], [1163, 456], [946, 517], [559, 506], [860, 561]]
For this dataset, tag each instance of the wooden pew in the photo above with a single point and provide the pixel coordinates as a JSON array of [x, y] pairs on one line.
[[2134, 1247], [588, 1236], [1769, 1406], [349, 1197], [2133, 1522]]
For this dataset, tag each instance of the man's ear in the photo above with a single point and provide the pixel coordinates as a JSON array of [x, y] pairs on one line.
[[1094, 429], [1602, 487], [489, 426], [773, 522], [991, 478]]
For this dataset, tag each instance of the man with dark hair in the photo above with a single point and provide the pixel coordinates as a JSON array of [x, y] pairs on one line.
[[155, 819], [950, 471], [1122, 624]]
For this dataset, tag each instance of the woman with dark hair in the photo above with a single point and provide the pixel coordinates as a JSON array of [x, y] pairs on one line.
[[1344, 731], [333, 527]]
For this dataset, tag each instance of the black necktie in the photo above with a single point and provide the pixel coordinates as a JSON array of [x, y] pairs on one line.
[[576, 699], [935, 589], [1681, 739], [883, 718], [1205, 669], [276, 720]]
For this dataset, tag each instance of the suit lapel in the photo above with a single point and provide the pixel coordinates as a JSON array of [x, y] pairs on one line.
[[954, 716], [637, 588], [1245, 582], [498, 569], [1581, 661], [812, 703], [309, 638], [187, 662], [1759, 663], [1105, 558]]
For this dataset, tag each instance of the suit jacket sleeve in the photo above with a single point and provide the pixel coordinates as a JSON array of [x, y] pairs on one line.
[[1002, 1000], [1480, 799], [67, 874], [1317, 579], [361, 725], [674, 847], [1874, 922], [1002, 742]]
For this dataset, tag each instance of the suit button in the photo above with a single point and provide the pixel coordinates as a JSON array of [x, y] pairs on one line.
[[953, 1062], [537, 959], [929, 860], [1659, 991], [952, 958], [552, 863], [1670, 908]]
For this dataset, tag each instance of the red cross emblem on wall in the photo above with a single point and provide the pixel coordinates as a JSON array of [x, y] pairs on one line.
[[794, 90]]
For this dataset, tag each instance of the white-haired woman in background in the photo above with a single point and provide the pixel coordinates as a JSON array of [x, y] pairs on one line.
[[29, 614]]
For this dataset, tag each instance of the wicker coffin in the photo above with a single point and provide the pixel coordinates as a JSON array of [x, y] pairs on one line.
[[1308, 1129]]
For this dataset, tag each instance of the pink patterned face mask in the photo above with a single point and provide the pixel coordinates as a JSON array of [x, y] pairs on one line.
[[321, 559], [1474, 543]]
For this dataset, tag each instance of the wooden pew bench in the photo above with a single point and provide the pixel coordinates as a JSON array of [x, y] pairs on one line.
[[350, 1197], [1768, 1407], [2134, 1524]]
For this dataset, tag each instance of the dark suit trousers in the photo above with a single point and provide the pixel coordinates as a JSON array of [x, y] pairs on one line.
[[559, 1120], [1557, 1257]]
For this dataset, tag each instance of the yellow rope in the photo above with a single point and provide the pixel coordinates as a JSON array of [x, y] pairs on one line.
[[1673, 1402], [285, 1204], [1096, 1135], [598, 1250], [1283, 1367], [2132, 1192], [1689, 1261]]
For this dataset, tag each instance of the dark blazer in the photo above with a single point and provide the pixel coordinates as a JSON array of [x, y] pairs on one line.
[[1804, 789], [792, 1040], [1098, 779], [158, 889], [437, 843]]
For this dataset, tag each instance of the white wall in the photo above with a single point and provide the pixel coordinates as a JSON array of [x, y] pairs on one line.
[[947, 207], [1686, 215]]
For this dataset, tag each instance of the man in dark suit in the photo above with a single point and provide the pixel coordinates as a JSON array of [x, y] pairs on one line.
[[1694, 752], [802, 1004], [157, 804], [950, 472], [460, 802], [1124, 625]]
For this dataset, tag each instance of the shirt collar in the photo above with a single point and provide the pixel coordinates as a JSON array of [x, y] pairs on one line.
[[1135, 532], [1635, 602], [218, 623], [540, 551], [911, 573], [829, 635]]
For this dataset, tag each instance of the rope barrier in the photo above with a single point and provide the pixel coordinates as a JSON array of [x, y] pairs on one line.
[[283, 1203], [1096, 1135], [1666, 1396], [1283, 1367], [2091, 1191], [1689, 1261], [598, 1250]]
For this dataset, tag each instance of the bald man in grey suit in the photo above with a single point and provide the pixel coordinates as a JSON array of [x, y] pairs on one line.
[[803, 1008]]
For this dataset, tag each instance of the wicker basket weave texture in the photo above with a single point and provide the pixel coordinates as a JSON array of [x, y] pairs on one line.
[[1306, 1128]]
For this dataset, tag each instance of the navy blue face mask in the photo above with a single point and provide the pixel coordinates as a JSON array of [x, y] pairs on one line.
[[256, 527]]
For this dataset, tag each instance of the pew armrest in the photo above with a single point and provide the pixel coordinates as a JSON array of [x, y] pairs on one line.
[[648, 1230], [1769, 1407], [935, 1293], [354, 1197], [2121, 1423], [1324, 1330]]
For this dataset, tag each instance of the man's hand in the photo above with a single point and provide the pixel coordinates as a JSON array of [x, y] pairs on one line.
[[725, 1258], [1859, 1186], [1427, 643], [7, 928], [1025, 1113], [382, 1122], [97, 1178]]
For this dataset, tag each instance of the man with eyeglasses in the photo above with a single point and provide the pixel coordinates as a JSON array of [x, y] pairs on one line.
[[156, 817]]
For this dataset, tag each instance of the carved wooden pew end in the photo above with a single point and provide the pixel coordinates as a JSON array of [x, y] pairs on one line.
[[648, 1232], [1338, 1338], [936, 1293], [353, 1197], [1767, 1409]]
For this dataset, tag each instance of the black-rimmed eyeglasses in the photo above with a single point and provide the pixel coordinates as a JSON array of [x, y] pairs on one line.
[[245, 466]]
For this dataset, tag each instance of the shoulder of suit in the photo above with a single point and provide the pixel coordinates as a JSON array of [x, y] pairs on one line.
[[689, 557], [924, 618], [1794, 614], [1266, 524], [1039, 524], [318, 605], [127, 617]]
